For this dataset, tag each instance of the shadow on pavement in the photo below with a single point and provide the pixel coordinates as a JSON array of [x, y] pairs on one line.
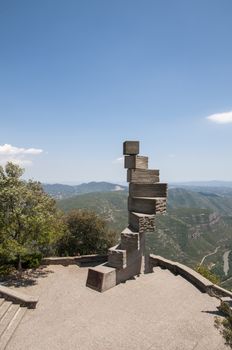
[[25, 278]]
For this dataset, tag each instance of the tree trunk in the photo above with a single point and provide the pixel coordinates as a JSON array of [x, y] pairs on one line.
[[19, 263]]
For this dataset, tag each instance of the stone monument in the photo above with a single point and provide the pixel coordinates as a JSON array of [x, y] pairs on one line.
[[147, 197]]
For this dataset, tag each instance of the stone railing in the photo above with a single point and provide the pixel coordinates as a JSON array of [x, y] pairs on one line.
[[202, 283], [80, 260], [18, 297]]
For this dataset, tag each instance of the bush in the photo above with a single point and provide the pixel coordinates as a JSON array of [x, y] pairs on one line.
[[205, 272], [225, 325], [86, 234], [6, 270], [31, 261]]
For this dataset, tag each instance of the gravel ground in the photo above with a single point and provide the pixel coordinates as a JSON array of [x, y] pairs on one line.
[[155, 311]]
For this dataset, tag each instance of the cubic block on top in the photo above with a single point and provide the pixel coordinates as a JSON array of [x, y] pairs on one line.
[[130, 148]]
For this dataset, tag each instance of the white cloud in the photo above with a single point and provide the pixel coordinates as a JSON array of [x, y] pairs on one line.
[[17, 155], [118, 160], [11, 150], [221, 118]]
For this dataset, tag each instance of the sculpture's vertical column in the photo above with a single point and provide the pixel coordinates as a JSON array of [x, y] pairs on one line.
[[147, 197]]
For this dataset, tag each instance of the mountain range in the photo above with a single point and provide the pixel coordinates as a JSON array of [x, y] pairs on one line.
[[60, 191]]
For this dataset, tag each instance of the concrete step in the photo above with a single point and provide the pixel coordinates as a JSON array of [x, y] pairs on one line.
[[9, 315], [1, 301], [136, 162], [147, 205], [101, 278], [148, 190], [117, 257], [18, 297], [143, 176], [4, 307], [9, 331], [141, 222], [130, 240]]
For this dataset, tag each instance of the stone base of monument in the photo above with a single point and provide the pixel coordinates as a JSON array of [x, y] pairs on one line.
[[123, 264], [117, 257], [101, 278], [133, 269], [104, 277]]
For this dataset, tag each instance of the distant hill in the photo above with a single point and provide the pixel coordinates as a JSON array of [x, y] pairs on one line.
[[220, 190], [60, 191], [177, 198], [213, 183], [219, 202], [112, 206]]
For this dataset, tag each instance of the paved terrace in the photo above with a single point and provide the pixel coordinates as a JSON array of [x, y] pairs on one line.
[[158, 311]]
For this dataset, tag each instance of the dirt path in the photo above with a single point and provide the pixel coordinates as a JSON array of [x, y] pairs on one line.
[[214, 252]]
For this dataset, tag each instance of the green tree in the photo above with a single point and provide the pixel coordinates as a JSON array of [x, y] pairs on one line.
[[29, 219], [86, 234]]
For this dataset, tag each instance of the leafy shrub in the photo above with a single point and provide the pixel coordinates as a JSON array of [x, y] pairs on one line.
[[225, 325], [31, 260], [6, 269], [205, 272], [86, 233]]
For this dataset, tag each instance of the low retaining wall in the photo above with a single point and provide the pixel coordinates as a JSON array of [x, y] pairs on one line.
[[82, 260], [18, 297], [189, 274]]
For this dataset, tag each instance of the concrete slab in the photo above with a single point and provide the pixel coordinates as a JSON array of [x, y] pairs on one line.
[[101, 278], [157, 311], [117, 257], [136, 162]]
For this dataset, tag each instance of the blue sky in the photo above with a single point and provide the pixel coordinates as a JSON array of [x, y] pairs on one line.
[[77, 78]]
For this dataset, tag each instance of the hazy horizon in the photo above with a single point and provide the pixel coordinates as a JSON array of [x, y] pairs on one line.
[[214, 183]]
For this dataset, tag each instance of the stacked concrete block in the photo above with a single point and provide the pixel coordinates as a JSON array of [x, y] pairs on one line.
[[148, 190], [130, 148], [101, 278], [142, 176], [141, 223], [117, 257], [130, 240], [136, 162], [147, 197]]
